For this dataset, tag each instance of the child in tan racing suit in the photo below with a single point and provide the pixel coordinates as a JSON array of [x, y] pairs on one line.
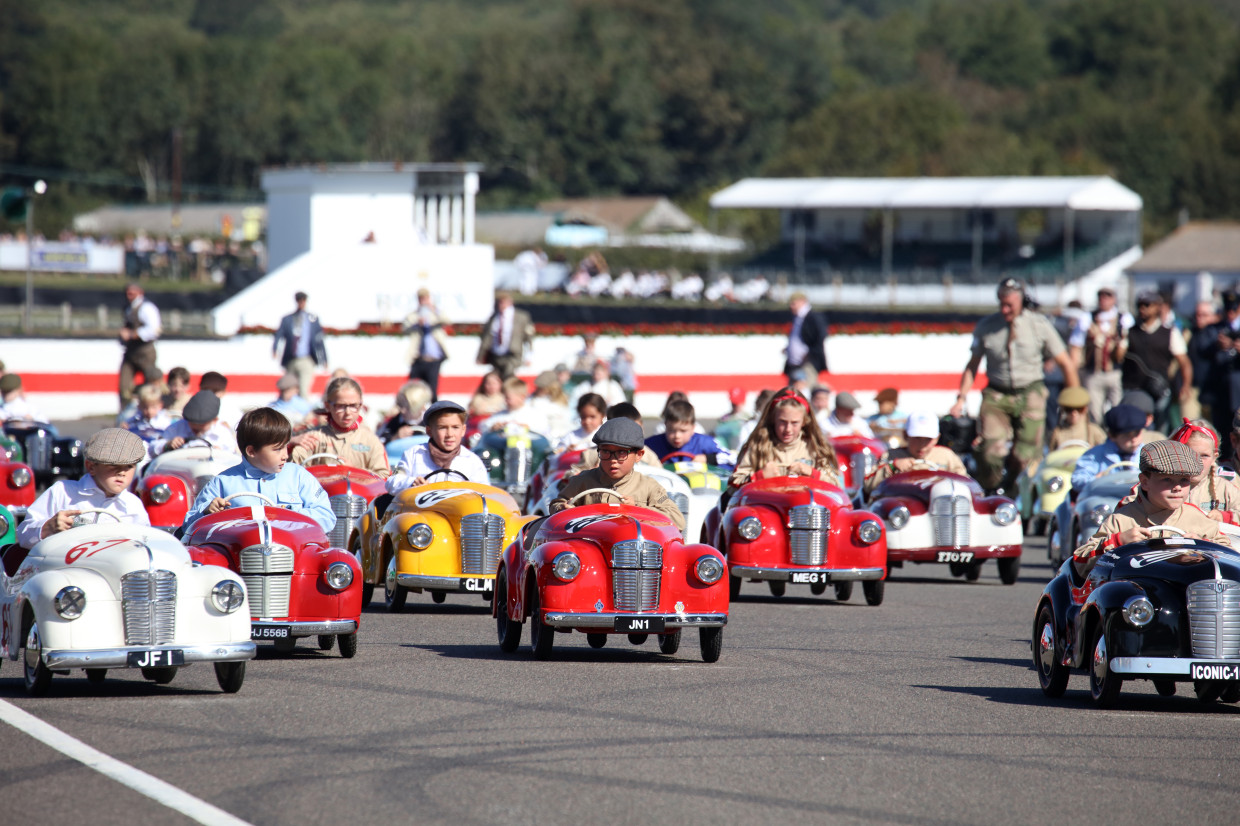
[[921, 431], [786, 437]]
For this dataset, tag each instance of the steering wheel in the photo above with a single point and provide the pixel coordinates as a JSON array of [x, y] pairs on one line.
[[679, 454], [1116, 466], [1074, 443], [314, 456], [791, 468], [926, 464], [1171, 528], [438, 471], [595, 490], [81, 511], [255, 494], [189, 442]]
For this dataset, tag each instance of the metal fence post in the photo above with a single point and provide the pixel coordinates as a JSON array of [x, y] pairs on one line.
[[102, 313]]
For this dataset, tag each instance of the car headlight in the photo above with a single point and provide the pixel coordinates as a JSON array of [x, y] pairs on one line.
[[339, 575], [898, 517], [420, 536], [1138, 611], [566, 566], [869, 532], [70, 602], [750, 528], [708, 569], [1005, 514], [1097, 515], [227, 596], [1054, 484], [161, 493], [20, 477]]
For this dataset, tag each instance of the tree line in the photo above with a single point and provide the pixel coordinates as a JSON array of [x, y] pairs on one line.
[[578, 97]]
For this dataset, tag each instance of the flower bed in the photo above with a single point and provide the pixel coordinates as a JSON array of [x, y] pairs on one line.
[[671, 329]]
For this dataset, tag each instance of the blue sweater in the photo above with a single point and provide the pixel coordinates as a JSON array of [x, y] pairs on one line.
[[699, 443]]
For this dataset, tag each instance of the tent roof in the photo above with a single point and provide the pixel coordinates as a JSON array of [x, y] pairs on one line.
[[1080, 193], [1193, 248]]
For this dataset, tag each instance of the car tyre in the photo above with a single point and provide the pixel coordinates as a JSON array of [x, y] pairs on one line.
[[669, 643], [957, 569], [1048, 655], [285, 644], [38, 675], [596, 640], [711, 640], [1231, 694], [326, 641], [161, 675], [1165, 688], [394, 594], [778, 587], [348, 645], [734, 587], [508, 631], [843, 591], [638, 639], [1208, 691], [96, 675], [873, 590], [1052, 541], [972, 571], [818, 588], [230, 676], [542, 636], [368, 592], [1009, 569], [1104, 684], [438, 597]]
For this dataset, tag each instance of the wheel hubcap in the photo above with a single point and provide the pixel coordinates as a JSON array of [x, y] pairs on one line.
[[1100, 660], [34, 650], [389, 581], [1046, 648]]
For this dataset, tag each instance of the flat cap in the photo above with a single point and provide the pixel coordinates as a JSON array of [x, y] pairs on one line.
[[115, 446], [888, 394], [10, 382], [546, 379], [1139, 399], [1124, 418], [847, 401], [621, 433], [1170, 457], [439, 408], [1075, 397], [299, 296], [287, 382], [202, 407]]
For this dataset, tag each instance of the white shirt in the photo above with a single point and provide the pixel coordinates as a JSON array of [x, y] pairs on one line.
[[217, 435], [19, 408], [857, 426], [558, 421], [609, 389], [148, 318], [798, 350], [527, 416], [73, 494], [417, 462], [1106, 323]]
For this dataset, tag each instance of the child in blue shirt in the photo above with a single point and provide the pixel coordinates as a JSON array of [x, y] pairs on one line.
[[679, 436], [263, 435]]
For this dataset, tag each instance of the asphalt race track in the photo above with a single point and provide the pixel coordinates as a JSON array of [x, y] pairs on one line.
[[922, 710]]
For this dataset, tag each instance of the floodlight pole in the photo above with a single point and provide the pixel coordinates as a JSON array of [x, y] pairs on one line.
[[28, 315]]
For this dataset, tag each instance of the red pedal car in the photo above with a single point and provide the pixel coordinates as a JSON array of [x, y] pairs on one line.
[[800, 529], [351, 490], [297, 583], [16, 487], [858, 457], [605, 570]]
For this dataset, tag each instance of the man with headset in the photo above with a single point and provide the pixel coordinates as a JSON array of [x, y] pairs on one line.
[[1016, 342]]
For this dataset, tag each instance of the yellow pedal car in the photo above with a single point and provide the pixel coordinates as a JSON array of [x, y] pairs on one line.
[[1043, 486], [444, 537]]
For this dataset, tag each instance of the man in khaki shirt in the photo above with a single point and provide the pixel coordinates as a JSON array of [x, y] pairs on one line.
[[620, 442], [1016, 342], [922, 453]]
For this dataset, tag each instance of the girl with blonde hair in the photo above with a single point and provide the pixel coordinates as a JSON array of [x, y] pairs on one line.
[[786, 435], [343, 435]]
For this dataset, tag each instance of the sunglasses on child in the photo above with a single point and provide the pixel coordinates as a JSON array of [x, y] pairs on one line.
[[607, 453]]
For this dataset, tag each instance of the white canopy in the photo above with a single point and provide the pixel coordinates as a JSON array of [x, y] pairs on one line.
[[1076, 193]]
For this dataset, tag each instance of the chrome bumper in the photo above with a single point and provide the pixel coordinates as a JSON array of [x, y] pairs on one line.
[[119, 657], [785, 574], [19, 511], [307, 629], [608, 621], [446, 583], [1163, 666]]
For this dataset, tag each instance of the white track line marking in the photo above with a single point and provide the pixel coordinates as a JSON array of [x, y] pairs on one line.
[[123, 773]]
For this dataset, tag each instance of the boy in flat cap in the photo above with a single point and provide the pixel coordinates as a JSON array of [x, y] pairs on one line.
[[1167, 470], [1074, 423], [111, 456], [620, 441], [1125, 429], [199, 420]]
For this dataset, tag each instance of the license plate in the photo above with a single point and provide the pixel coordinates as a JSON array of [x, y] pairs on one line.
[[955, 556], [268, 632], [1214, 671], [639, 625], [809, 577], [478, 585], [155, 659]]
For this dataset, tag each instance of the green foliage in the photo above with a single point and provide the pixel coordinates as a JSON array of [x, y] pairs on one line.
[[575, 97]]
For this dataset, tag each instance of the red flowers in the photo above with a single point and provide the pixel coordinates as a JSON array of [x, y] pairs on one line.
[[887, 327]]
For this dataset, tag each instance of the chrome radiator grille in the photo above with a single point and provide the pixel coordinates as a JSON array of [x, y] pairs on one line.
[[810, 528], [681, 502], [38, 449], [347, 509], [951, 516], [517, 462], [267, 572], [1214, 617], [860, 465], [149, 607], [637, 569], [482, 542]]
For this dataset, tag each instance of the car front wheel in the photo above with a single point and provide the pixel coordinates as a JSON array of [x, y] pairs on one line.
[[873, 590], [326, 641], [843, 591], [394, 594], [508, 631], [542, 636], [1009, 569], [1048, 656], [348, 645], [777, 586], [1104, 684], [38, 675], [670, 643], [230, 676], [711, 640], [161, 675]]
